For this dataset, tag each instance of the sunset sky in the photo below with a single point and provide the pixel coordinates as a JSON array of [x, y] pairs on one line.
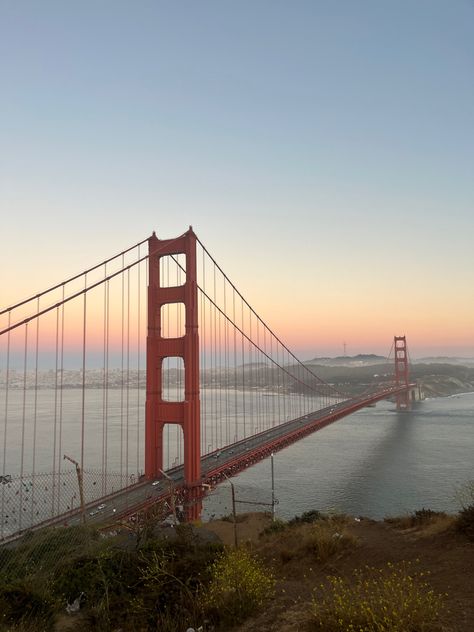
[[323, 151]]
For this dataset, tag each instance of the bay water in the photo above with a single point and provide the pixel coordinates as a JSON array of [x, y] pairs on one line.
[[377, 462]]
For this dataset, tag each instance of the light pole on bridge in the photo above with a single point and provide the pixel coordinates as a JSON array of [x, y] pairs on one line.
[[80, 482], [171, 488]]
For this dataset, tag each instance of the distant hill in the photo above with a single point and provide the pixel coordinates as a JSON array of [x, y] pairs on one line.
[[444, 360], [361, 359]]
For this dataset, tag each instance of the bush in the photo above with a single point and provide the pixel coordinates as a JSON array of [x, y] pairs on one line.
[[228, 518], [325, 540], [38, 553], [308, 517], [239, 586], [395, 599], [277, 526], [425, 516], [20, 603], [465, 521]]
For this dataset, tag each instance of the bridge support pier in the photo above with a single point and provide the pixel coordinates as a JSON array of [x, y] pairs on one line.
[[159, 411]]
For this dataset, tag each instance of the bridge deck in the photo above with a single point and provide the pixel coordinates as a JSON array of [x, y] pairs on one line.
[[227, 461]]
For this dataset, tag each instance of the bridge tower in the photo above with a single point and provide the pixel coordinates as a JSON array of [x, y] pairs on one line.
[[160, 412], [401, 372]]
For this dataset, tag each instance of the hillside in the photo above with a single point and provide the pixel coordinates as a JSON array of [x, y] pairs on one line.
[[315, 572], [435, 379], [430, 545]]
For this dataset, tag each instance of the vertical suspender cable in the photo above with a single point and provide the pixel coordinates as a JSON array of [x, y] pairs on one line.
[[104, 384], [61, 378], [138, 362], [243, 368], [215, 364], [167, 364], [83, 407], [127, 415], [258, 391], [203, 374], [23, 421], [179, 367], [5, 423], [280, 390], [265, 379], [35, 415], [250, 374], [122, 368], [226, 369], [236, 430], [272, 369], [55, 416], [221, 422]]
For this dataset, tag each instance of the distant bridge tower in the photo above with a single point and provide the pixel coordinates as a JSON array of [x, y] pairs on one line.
[[160, 412], [401, 372]]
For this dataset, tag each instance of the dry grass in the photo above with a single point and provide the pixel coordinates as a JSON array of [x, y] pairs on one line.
[[249, 527], [424, 522], [320, 541]]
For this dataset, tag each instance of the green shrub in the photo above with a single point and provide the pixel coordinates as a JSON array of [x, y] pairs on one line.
[[325, 539], [171, 578], [308, 517], [465, 521], [38, 553], [21, 603], [227, 518], [425, 516], [394, 599], [277, 526], [239, 586]]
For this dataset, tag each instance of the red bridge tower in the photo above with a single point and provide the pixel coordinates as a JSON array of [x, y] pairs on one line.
[[401, 372], [160, 412]]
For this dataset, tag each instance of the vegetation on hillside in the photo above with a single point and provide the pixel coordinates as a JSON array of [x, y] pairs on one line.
[[151, 579]]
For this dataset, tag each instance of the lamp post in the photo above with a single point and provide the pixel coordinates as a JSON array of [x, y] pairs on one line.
[[233, 508], [273, 491], [80, 482], [171, 488]]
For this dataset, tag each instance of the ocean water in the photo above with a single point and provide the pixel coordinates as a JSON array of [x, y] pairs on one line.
[[374, 463]]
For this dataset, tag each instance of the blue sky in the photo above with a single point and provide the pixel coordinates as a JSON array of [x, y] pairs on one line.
[[323, 151]]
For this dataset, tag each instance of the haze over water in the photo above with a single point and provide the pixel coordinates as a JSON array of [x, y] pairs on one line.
[[375, 463]]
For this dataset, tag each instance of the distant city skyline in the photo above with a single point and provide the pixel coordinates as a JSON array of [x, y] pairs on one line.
[[323, 151]]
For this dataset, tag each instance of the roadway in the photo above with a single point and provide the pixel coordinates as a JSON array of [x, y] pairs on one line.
[[227, 461]]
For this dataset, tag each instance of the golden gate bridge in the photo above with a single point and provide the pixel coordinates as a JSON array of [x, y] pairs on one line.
[[146, 371]]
